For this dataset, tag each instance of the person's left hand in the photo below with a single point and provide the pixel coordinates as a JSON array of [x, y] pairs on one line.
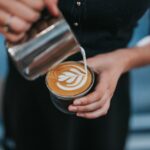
[[108, 68]]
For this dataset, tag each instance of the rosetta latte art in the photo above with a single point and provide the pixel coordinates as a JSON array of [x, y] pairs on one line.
[[69, 79], [74, 78]]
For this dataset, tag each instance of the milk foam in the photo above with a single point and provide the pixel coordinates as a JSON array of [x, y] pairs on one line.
[[75, 78]]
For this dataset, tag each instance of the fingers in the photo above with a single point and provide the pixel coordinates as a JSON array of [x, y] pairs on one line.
[[17, 26], [97, 103], [90, 98], [98, 113], [90, 107], [15, 23], [35, 4], [95, 95], [12, 37], [17, 16], [20, 10], [52, 6]]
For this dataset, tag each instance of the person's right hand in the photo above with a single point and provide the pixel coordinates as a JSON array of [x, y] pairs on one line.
[[16, 17], [52, 6]]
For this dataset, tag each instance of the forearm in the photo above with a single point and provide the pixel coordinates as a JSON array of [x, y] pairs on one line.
[[134, 57]]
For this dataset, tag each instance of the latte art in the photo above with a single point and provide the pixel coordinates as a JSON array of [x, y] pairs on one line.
[[75, 78], [69, 79]]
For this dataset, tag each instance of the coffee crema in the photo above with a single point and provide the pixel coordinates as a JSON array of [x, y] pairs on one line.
[[69, 79]]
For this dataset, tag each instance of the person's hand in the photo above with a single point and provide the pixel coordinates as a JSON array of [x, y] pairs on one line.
[[16, 17], [52, 6], [108, 68]]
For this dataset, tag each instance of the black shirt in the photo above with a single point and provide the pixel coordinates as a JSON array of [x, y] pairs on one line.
[[103, 25]]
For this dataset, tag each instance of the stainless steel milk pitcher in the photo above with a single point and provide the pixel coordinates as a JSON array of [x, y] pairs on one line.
[[48, 43]]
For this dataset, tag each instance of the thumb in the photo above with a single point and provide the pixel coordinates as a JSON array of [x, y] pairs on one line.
[[52, 6], [91, 62]]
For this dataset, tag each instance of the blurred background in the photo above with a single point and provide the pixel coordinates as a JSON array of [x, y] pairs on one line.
[[139, 135]]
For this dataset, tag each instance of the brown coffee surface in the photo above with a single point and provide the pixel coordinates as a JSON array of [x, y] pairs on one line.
[[69, 79]]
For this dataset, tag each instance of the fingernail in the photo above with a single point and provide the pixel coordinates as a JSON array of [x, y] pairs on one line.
[[80, 115], [77, 102], [72, 108]]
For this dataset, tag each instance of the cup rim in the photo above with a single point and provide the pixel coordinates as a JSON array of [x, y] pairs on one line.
[[75, 96]]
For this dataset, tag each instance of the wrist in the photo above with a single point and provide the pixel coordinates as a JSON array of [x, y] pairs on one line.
[[126, 58]]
